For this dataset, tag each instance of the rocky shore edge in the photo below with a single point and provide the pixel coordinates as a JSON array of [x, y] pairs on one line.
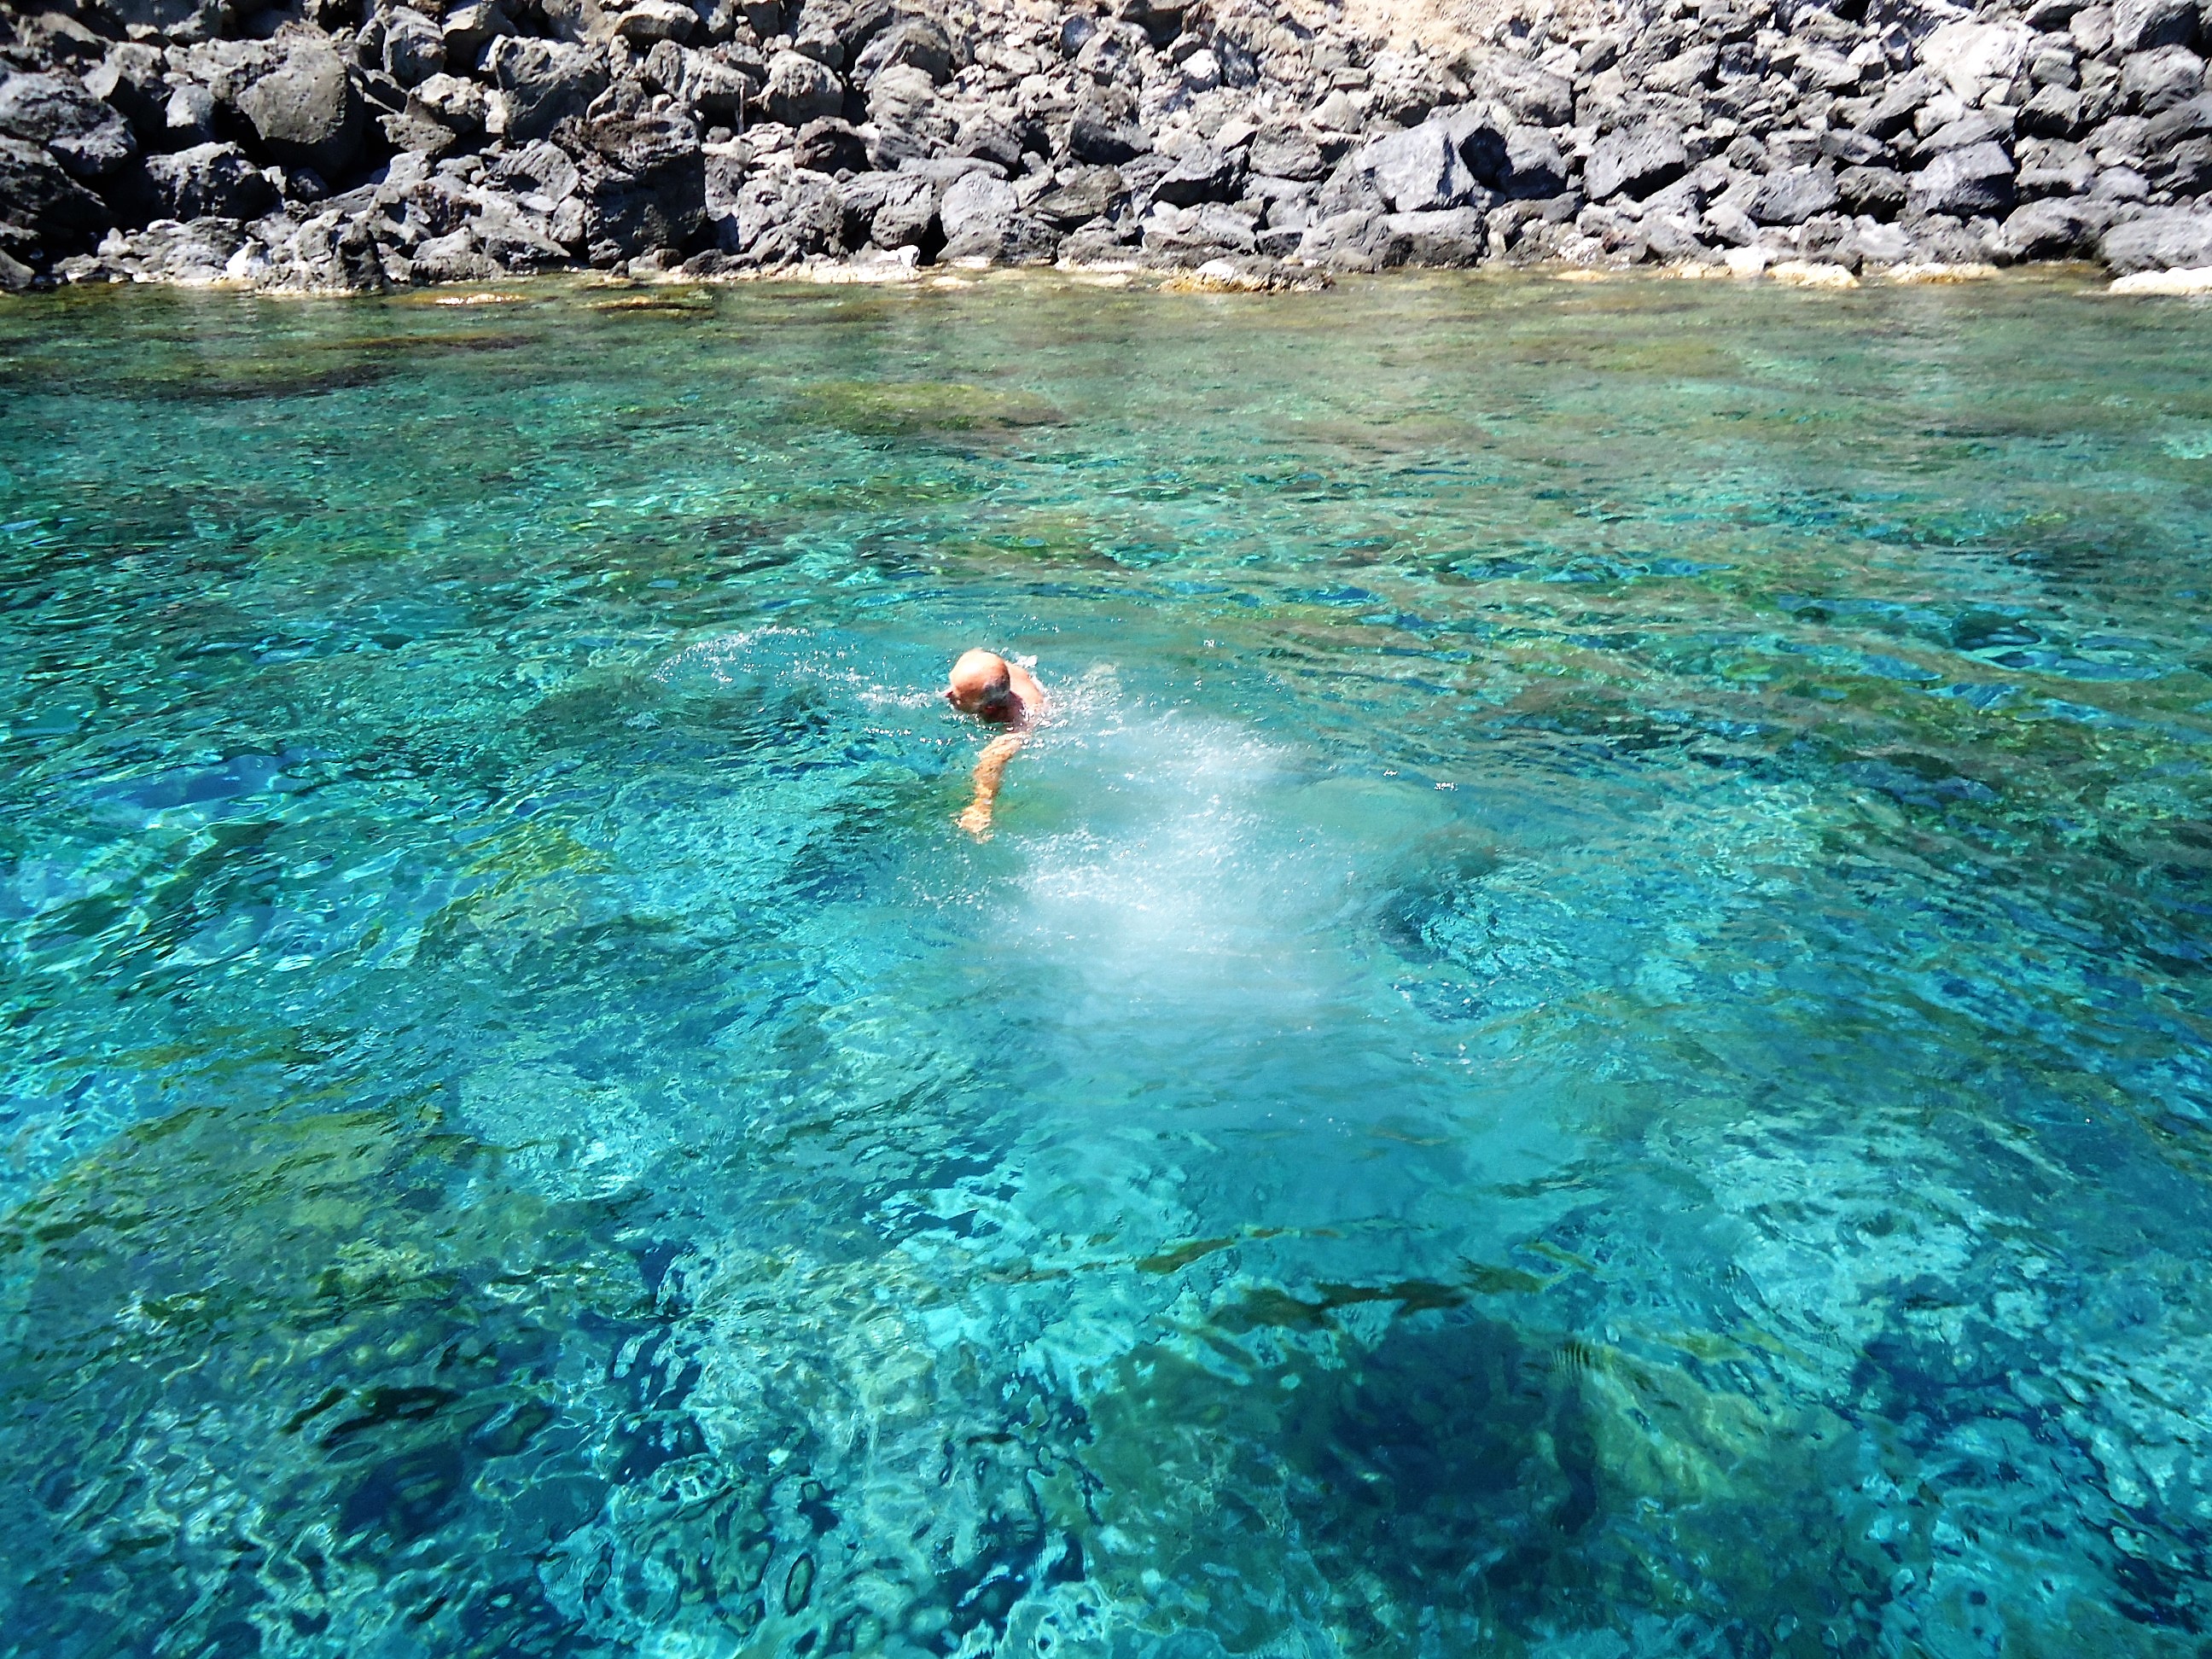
[[344, 145]]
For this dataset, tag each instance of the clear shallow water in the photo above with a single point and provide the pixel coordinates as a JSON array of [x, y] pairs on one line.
[[1585, 1039]]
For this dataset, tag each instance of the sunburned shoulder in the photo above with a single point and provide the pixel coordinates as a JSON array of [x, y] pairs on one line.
[[1036, 708]]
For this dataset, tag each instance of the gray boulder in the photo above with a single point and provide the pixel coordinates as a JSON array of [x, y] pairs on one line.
[[1793, 195], [1973, 182], [1081, 194], [2055, 169], [915, 43], [469, 29], [413, 47], [976, 207], [458, 105], [2158, 79], [307, 112], [643, 22], [2138, 25], [542, 82], [1284, 152], [1353, 240], [1456, 237], [1093, 139], [2054, 112], [2050, 230], [2185, 169], [829, 145], [1636, 162], [1420, 170], [540, 168], [1534, 94], [800, 90], [1191, 236], [181, 20], [189, 117], [644, 184], [1534, 169], [907, 216], [2163, 239], [1201, 173], [1877, 190], [128, 80], [209, 181], [37, 194], [87, 137]]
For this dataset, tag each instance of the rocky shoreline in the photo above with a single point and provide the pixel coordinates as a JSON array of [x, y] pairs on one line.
[[356, 144]]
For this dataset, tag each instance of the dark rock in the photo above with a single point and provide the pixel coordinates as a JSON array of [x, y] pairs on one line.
[[37, 193], [829, 145], [1091, 138], [852, 23], [1877, 190], [1075, 33], [1479, 133], [1635, 162], [1191, 236], [976, 208], [800, 90], [307, 112], [1111, 55], [2139, 25], [1976, 126], [2183, 120], [1455, 237], [1081, 194], [1534, 96], [1854, 149], [907, 216], [2185, 169], [2163, 239], [543, 83], [451, 102], [1793, 195], [2160, 78], [2053, 113], [990, 139], [1973, 182], [915, 43], [413, 47], [2054, 167], [189, 118], [416, 130], [129, 79], [541, 168], [1201, 175], [1282, 152], [469, 29], [1418, 171], [1893, 111], [2046, 230], [644, 23], [86, 136], [1534, 169], [180, 21]]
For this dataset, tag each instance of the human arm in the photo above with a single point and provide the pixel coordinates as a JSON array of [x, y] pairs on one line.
[[990, 773]]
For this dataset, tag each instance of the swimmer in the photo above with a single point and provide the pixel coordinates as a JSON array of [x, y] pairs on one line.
[[1001, 693]]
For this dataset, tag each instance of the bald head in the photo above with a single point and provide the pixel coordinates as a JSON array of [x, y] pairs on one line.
[[981, 684]]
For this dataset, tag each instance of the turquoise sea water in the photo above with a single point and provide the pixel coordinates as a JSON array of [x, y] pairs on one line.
[[1586, 1037]]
